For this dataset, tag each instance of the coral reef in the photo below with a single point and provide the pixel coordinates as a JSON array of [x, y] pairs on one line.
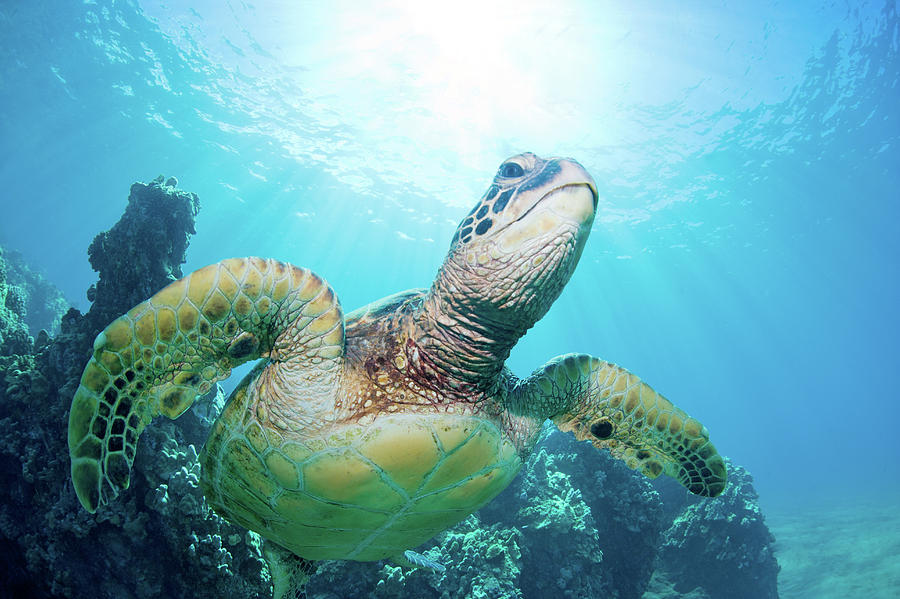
[[144, 251], [624, 506], [558, 529], [482, 561], [722, 547], [485, 560], [40, 304], [575, 523], [161, 539], [14, 336]]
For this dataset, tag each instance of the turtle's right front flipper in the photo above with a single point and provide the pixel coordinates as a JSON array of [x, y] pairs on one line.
[[616, 410], [164, 352]]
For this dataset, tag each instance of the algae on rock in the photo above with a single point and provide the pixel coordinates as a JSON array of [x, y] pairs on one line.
[[143, 252], [482, 562]]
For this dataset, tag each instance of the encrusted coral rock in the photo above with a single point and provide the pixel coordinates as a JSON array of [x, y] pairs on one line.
[[14, 335], [482, 562], [561, 547], [144, 251], [38, 302], [722, 546], [162, 529], [590, 526]]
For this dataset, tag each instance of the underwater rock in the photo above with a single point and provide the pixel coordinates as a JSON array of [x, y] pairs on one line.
[[590, 526], [160, 539], [481, 562], [722, 546], [143, 252], [561, 548], [40, 304], [14, 334], [484, 561]]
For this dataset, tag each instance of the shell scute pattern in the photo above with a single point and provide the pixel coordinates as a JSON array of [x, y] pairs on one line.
[[297, 507], [344, 476], [368, 495], [283, 469], [408, 467], [475, 453]]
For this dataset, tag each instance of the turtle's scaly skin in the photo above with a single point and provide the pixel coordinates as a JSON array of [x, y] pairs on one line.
[[358, 439]]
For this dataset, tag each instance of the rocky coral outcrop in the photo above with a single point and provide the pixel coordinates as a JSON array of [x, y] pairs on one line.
[[481, 562], [562, 554], [722, 547], [40, 304], [590, 526], [161, 539], [14, 336], [143, 252]]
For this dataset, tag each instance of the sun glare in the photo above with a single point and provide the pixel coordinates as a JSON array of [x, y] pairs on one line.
[[425, 87], [464, 61], [466, 83]]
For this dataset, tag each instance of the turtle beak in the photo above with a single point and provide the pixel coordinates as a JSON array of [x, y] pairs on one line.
[[591, 184], [577, 178], [571, 196], [577, 174]]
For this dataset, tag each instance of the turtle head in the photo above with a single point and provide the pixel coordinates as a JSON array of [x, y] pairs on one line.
[[514, 252]]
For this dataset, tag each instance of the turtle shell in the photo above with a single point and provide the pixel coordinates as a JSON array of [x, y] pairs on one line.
[[358, 492]]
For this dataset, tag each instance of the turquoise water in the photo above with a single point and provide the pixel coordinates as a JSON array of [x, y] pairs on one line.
[[745, 256]]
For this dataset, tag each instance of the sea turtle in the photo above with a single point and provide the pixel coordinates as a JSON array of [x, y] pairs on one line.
[[361, 437]]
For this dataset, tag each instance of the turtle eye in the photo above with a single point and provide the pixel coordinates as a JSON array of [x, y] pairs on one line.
[[511, 170], [602, 429]]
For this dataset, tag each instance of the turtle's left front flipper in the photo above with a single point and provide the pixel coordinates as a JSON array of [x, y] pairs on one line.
[[164, 352], [614, 409]]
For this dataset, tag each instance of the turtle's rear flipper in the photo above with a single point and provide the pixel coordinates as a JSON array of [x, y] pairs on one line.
[[411, 559], [164, 352], [289, 572]]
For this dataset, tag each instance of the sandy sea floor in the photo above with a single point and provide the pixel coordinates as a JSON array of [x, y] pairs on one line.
[[848, 551]]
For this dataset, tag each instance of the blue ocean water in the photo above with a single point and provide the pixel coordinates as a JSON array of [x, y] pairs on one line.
[[745, 256]]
